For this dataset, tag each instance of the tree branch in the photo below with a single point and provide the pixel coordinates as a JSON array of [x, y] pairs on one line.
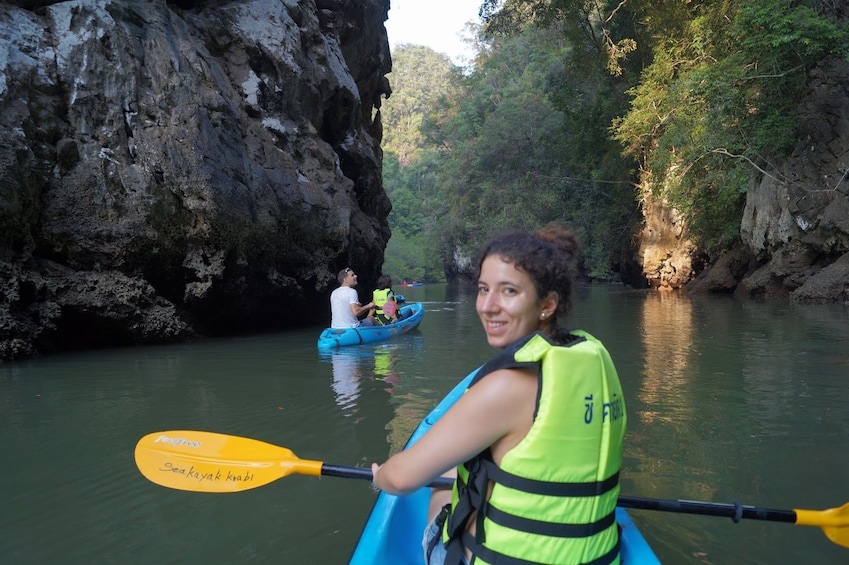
[[721, 151]]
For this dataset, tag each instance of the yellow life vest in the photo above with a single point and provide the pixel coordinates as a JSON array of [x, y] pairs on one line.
[[380, 297], [554, 494]]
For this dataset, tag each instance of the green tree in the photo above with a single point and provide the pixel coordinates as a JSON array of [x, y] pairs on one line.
[[420, 80], [424, 83]]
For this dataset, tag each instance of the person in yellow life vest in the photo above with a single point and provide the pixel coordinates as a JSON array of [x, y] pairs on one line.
[[385, 305], [535, 443]]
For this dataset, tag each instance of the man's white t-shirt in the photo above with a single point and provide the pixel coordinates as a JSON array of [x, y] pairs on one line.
[[340, 307]]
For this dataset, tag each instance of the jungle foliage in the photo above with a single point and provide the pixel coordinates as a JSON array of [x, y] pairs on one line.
[[574, 108]]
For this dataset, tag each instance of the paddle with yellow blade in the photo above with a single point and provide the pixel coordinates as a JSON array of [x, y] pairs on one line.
[[212, 462], [834, 521]]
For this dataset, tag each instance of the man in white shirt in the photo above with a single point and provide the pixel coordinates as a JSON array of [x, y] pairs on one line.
[[345, 303]]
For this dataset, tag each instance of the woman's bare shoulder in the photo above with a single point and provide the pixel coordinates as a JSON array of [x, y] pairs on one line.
[[506, 386]]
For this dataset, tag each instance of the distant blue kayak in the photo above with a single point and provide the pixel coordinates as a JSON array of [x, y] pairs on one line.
[[337, 337], [393, 532]]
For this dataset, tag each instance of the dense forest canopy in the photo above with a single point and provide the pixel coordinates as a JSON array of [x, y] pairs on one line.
[[575, 110]]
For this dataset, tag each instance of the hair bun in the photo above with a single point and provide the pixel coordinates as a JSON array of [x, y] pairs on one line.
[[561, 237]]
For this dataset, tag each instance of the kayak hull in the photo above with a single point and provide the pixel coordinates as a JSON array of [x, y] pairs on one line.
[[393, 531], [339, 337]]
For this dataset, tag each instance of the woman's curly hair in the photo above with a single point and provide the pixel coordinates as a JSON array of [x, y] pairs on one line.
[[546, 255]]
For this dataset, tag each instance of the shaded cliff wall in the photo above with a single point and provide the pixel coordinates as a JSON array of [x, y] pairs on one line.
[[173, 169]]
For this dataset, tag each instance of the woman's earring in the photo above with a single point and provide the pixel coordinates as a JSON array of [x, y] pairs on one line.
[[542, 316]]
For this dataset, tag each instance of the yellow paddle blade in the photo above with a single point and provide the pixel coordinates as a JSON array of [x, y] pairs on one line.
[[211, 462], [834, 522]]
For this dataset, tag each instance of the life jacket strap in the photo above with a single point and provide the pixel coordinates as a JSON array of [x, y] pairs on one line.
[[496, 558], [533, 486], [553, 529]]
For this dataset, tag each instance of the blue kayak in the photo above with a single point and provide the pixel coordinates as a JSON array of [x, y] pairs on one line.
[[411, 315], [393, 532]]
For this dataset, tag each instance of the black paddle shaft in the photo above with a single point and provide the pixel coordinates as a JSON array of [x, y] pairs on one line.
[[365, 474], [346, 472], [735, 511]]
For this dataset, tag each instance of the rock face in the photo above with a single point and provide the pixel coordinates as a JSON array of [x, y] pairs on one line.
[[173, 169], [796, 221], [664, 250], [795, 227]]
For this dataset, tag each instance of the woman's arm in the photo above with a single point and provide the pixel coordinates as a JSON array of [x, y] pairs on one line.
[[497, 409]]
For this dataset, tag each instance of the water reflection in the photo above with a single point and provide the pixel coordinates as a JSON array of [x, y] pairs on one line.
[[347, 368], [669, 397], [666, 331], [373, 366], [385, 359]]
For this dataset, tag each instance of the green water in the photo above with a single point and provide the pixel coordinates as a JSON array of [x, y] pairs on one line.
[[726, 400]]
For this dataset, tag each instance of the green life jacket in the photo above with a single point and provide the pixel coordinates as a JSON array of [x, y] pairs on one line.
[[554, 494]]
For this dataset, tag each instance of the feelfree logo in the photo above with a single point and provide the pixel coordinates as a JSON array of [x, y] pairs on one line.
[[177, 441]]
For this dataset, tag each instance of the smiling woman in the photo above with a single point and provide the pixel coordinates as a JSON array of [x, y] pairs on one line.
[[526, 455], [437, 24]]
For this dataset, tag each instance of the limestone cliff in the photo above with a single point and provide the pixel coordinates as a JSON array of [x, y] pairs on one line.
[[795, 227], [170, 169]]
